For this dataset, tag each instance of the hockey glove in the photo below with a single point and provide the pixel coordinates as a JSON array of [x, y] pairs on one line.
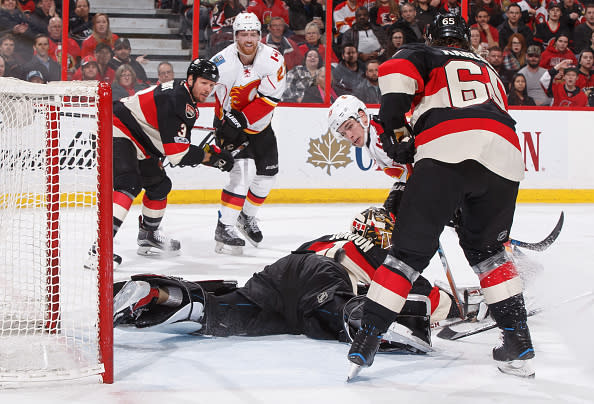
[[231, 135], [393, 200], [219, 158], [400, 146]]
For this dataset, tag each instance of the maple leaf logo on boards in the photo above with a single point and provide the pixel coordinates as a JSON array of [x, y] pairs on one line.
[[327, 151]]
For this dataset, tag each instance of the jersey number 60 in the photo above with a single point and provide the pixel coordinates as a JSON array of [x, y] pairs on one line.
[[470, 83]]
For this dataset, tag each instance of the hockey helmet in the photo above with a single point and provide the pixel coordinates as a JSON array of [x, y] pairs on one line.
[[374, 224], [246, 22], [203, 68], [449, 25], [345, 107]]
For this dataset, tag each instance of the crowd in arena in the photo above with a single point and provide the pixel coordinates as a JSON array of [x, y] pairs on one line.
[[542, 49]]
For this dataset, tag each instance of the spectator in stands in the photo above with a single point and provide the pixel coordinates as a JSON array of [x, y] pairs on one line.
[[513, 25], [565, 93], [287, 47], [370, 40], [489, 33], [165, 72], [15, 22], [102, 55], [368, 90], [350, 70], [313, 40], [101, 34], [548, 30], [344, 16], [121, 55], [266, 9], [557, 51], [302, 76], [80, 21], [514, 54], [583, 32], [301, 13], [55, 42], [495, 58], [89, 68], [585, 74], [41, 61], [493, 9], [408, 23], [221, 22], [316, 93], [44, 11], [478, 47], [125, 83], [35, 76], [396, 41], [13, 62], [450, 6], [384, 13], [532, 73], [426, 12], [572, 14], [518, 95]]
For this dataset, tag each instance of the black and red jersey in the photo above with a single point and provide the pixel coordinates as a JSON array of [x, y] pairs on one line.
[[158, 120], [459, 107]]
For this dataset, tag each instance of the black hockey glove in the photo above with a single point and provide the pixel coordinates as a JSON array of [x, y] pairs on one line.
[[402, 150], [393, 200], [219, 158], [231, 135]]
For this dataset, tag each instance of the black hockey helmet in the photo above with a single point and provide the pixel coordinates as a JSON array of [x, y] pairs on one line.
[[203, 68], [449, 25]]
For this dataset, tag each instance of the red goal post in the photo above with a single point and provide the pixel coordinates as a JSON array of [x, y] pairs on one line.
[[55, 204]]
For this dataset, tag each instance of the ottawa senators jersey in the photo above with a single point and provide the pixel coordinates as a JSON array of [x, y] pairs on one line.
[[459, 107], [158, 120], [385, 163], [254, 89]]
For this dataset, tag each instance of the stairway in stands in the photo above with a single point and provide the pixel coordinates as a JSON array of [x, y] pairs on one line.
[[152, 32]]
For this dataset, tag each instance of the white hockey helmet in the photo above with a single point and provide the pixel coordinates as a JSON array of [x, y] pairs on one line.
[[345, 107], [246, 22]]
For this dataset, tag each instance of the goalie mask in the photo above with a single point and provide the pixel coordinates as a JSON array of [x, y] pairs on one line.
[[344, 108], [374, 224]]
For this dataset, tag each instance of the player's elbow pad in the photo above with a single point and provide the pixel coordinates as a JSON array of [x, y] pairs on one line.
[[193, 157]]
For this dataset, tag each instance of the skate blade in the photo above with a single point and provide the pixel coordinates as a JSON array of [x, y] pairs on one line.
[[222, 248], [354, 372], [150, 251], [250, 240], [520, 368]]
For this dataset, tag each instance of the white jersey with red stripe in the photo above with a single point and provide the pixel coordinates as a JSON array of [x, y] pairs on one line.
[[386, 164], [459, 107], [158, 120], [252, 89], [344, 14]]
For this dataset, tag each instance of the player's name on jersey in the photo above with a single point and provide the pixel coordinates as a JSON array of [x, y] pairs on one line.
[[363, 243], [456, 52]]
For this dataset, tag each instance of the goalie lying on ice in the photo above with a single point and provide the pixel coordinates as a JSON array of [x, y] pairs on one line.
[[312, 291]]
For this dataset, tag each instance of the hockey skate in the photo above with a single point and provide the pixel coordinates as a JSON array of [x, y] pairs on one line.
[[515, 354], [363, 349], [92, 261], [155, 242], [248, 226], [132, 299], [227, 240]]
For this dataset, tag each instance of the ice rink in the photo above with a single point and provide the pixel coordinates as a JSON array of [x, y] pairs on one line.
[[160, 368]]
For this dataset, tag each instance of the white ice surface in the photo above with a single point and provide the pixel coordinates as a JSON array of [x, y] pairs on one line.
[[159, 368]]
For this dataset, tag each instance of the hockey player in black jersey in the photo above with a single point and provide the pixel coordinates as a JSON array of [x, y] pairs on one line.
[[305, 292], [467, 155], [152, 125]]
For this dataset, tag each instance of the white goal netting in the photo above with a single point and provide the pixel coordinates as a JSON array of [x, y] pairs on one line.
[[50, 310]]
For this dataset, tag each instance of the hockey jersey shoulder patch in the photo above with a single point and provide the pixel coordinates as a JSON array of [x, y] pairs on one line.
[[218, 60]]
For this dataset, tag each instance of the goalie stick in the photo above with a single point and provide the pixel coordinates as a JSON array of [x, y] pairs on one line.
[[450, 334]]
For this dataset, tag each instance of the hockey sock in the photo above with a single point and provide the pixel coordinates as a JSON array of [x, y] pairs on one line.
[[153, 212], [121, 205], [231, 205], [259, 190]]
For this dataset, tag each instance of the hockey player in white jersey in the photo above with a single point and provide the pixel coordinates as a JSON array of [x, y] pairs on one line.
[[349, 119], [252, 80]]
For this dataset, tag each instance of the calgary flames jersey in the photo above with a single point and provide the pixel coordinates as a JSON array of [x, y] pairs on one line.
[[385, 163], [254, 89]]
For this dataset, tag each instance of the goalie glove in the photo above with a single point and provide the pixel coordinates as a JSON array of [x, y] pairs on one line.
[[221, 159], [399, 146]]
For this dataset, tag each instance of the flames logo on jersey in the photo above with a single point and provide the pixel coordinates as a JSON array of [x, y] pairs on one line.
[[240, 96]]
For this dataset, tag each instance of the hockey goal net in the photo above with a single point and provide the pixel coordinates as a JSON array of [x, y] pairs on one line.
[[55, 204]]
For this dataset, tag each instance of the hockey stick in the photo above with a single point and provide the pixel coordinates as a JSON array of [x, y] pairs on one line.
[[208, 128], [448, 272], [450, 334]]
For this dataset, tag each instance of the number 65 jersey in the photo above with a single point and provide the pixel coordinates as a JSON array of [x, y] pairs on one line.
[[459, 107], [254, 89]]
